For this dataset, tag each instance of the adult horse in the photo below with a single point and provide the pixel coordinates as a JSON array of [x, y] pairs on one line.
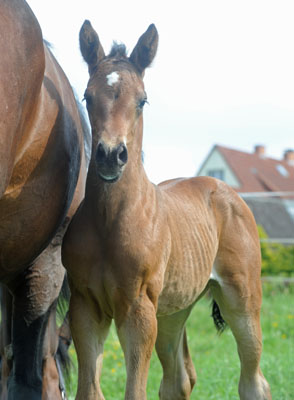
[[41, 152], [143, 254]]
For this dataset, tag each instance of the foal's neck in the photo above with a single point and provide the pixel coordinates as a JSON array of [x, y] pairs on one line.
[[132, 190]]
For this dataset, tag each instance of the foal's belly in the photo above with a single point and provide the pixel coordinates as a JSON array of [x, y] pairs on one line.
[[175, 297], [187, 273]]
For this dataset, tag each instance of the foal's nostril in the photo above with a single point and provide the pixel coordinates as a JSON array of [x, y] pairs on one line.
[[101, 152], [122, 154], [111, 157]]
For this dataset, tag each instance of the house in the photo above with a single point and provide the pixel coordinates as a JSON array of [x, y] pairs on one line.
[[266, 184]]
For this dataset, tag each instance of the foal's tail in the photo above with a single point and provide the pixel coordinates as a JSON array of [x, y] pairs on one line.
[[218, 320]]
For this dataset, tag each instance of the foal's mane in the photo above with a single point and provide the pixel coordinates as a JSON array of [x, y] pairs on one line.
[[118, 51], [118, 54]]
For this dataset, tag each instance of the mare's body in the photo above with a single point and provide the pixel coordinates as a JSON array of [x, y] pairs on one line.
[[41, 152], [143, 254]]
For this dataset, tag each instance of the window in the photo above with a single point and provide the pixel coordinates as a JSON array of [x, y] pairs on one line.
[[282, 170], [217, 173]]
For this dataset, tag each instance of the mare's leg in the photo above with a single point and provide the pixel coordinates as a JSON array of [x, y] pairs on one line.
[[179, 374], [51, 390], [34, 293], [239, 300], [89, 328], [27, 338], [137, 328], [64, 333], [5, 340], [50, 386]]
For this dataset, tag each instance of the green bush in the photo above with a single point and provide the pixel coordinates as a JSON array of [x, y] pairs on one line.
[[276, 258]]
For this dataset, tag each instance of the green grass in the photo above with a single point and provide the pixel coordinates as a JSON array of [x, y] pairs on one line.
[[215, 357]]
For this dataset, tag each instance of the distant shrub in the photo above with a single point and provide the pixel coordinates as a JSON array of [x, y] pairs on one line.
[[277, 259]]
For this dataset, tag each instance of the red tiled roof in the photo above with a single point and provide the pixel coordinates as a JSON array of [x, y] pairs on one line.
[[258, 174]]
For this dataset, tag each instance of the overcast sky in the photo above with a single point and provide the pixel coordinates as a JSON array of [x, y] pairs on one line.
[[224, 71]]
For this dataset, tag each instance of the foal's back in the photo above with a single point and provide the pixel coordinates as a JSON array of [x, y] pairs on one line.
[[205, 218]]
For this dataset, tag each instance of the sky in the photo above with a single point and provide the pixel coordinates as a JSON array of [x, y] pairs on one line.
[[223, 74]]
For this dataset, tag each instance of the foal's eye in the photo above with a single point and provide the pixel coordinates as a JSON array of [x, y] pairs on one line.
[[142, 103]]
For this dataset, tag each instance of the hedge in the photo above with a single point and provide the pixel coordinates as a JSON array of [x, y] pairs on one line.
[[277, 259]]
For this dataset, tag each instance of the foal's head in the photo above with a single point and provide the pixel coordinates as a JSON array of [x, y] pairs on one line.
[[115, 99]]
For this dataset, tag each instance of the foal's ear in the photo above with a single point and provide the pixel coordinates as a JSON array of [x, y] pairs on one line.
[[90, 46], [145, 50]]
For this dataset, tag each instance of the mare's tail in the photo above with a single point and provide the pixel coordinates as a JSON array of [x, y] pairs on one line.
[[218, 320]]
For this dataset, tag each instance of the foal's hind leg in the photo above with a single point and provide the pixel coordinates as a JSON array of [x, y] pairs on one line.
[[240, 303], [179, 374]]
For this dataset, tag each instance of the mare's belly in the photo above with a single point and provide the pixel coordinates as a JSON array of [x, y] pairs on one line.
[[28, 222]]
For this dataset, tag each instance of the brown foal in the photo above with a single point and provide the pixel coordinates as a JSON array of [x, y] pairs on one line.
[[143, 254]]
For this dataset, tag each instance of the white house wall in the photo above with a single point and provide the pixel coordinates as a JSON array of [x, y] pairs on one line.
[[216, 161]]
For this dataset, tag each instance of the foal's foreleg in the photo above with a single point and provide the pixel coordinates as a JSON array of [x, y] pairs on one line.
[[179, 374], [137, 333], [89, 328]]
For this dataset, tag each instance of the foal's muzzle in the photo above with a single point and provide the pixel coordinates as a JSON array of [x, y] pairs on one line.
[[110, 161]]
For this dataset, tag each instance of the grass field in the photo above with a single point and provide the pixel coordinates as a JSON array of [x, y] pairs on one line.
[[215, 357]]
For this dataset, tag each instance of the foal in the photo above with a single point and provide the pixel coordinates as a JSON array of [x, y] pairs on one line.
[[143, 254]]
